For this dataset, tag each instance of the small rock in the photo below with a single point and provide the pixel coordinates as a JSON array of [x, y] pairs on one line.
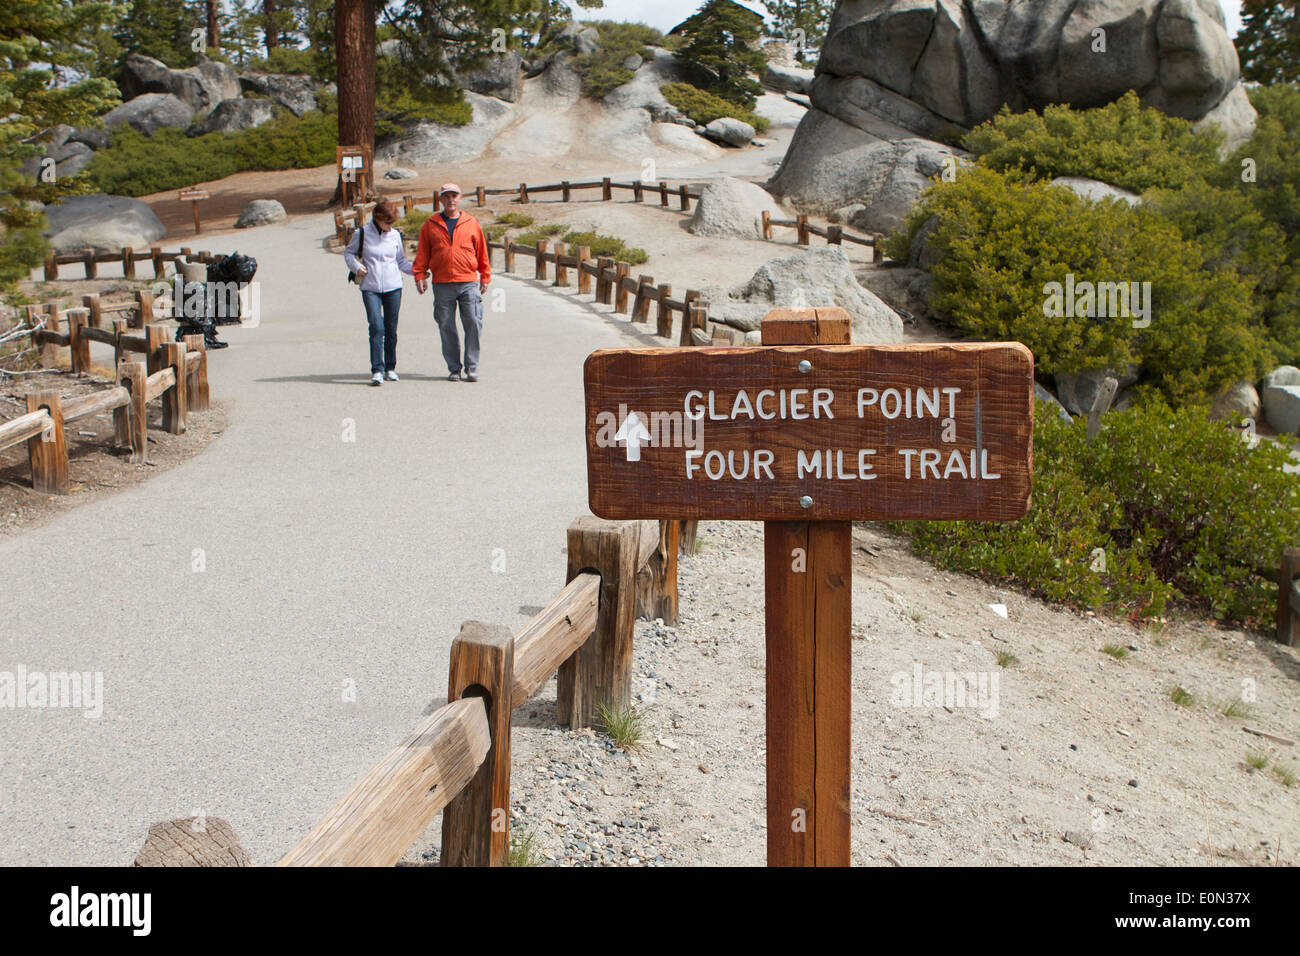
[[1133, 783], [401, 172], [666, 742]]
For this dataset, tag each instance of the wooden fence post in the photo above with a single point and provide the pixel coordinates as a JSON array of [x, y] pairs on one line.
[[565, 187], [696, 316], [641, 304], [128, 262], [475, 825], [155, 336], [479, 195], [78, 345], [51, 268], [523, 192], [767, 224], [1288, 598], [539, 271], [145, 316], [159, 267], [664, 317], [802, 225], [685, 194], [584, 277], [621, 271], [656, 584], [600, 672], [834, 235], [408, 204], [119, 329], [604, 285], [877, 247], [175, 404], [198, 396], [92, 267], [131, 421], [49, 351], [606, 190], [638, 189], [95, 309], [663, 194], [561, 270], [509, 247], [47, 453]]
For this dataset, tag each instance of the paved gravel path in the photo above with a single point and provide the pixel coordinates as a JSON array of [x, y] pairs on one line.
[[329, 566]]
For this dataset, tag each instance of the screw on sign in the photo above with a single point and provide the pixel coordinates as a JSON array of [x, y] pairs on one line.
[[808, 434]]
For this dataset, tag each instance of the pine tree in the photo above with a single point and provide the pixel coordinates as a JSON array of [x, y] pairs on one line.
[[47, 53], [1269, 41], [162, 29], [721, 39], [803, 22]]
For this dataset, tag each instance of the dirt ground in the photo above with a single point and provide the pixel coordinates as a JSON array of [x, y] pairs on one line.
[[1072, 757]]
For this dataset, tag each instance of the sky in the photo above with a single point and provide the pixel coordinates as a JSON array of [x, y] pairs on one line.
[[666, 14]]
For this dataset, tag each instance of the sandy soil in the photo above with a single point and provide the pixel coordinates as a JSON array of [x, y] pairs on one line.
[[1074, 757]]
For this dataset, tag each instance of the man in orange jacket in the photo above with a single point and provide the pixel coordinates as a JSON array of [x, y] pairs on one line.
[[453, 250]]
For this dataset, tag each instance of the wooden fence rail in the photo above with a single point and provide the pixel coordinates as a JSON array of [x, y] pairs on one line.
[[179, 377], [129, 258], [457, 760], [345, 220]]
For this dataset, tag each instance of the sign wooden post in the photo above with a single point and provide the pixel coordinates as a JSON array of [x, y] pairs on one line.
[[194, 196], [807, 434]]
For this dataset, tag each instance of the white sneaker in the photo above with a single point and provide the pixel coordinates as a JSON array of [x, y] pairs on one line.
[[377, 378], [392, 377]]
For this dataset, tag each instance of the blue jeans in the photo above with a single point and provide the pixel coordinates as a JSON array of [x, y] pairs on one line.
[[446, 297], [381, 315]]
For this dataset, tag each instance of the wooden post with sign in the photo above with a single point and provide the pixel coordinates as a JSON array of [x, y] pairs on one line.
[[194, 196], [807, 433]]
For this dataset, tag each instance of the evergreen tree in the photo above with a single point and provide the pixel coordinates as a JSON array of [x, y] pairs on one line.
[[1269, 41], [162, 29], [721, 39], [47, 53], [803, 22]]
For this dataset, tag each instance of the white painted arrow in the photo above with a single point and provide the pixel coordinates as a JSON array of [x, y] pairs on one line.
[[634, 432]]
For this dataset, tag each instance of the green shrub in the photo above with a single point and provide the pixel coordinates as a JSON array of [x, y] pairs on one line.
[[1180, 506], [530, 237], [606, 246], [401, 101], [1001, 240], [1125, 144], [602, 70], [515, 220], [704, 107], [411, 224], [135, 165], [285, 59]]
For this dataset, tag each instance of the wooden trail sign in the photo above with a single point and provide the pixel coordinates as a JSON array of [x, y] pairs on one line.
[[886, 407], [194, 195], [822, 432]]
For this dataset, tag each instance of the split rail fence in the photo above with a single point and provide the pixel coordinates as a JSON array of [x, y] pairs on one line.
[[176, 372], [457, 760], [129, 258], [347, 220]]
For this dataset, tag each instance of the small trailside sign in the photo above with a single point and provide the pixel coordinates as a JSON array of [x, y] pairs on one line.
[[193, 195], [817, 433]]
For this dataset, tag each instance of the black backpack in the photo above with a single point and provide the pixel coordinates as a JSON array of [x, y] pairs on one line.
[[361, 248]]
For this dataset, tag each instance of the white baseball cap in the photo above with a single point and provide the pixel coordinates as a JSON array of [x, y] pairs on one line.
[[449, 188]]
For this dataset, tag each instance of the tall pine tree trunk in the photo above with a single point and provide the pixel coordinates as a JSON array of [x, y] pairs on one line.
[[354, 47], [269, 11], [214, 26]]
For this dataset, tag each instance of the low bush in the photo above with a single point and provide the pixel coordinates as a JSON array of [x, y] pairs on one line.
[[606, 246], [515, 220], [602, 70], [1124, 143], [135, 165], [1167, 505], [1002, 240], [704, 107], [548, 230], [411, 224]]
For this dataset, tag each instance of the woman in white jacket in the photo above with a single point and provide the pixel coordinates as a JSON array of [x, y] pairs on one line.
[[379, 271]]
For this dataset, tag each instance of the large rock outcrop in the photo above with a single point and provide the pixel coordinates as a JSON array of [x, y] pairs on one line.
[[151, 112], [101, 223], [200, 87], [896, 69]]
